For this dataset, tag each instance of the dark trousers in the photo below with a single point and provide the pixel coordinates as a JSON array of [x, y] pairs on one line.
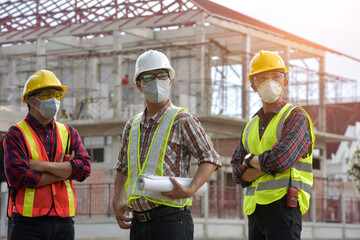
[[40, 228], [176, 226], [275, 221]]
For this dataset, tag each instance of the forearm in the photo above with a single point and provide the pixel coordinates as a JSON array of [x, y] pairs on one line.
[[251, 174], [119, 202], [62, 170], [119, 188], [202, 174], [48, 178]]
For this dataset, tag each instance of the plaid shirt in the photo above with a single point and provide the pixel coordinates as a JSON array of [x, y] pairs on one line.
[[294, 144], [16, 155], [187, 137]]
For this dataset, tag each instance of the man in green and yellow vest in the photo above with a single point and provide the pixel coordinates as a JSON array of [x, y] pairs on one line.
[[273, 159], [160, 141], [42, 157]]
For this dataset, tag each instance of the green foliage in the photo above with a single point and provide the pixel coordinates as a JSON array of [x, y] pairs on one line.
[[354, 168]]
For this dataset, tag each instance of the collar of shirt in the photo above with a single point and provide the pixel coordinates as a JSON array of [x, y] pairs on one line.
[[35, 124], [274, 111], [157, 117]]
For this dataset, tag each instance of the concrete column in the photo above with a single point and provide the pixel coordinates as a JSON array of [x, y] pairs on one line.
[[205, 202], [117, 75], [78, 85], [200, 68], [208, 82], [286, 58], [322, 100], [343, 215], [245, 94], [40, 54], [343, 208], [93, 64], [10, 76], [313, 212], [115, 142], [3, 78], [3, 210], [93, 108]]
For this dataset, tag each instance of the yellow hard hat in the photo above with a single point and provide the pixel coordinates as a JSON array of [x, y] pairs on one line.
[[265, 61], [41, 79]]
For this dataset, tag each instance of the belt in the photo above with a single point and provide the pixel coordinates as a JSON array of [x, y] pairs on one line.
[[158, 212]]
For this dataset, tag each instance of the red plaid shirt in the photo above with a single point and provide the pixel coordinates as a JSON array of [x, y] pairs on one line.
[[16, 155], [187, 138], [294, 144]]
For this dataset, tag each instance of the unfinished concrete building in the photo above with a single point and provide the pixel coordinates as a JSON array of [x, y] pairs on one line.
[[92, 45]]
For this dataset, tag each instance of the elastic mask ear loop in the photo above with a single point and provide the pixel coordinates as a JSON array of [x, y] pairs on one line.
[[39, 101]]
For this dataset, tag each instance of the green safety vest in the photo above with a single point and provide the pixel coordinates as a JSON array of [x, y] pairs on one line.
[[154, 160], [267, 189]]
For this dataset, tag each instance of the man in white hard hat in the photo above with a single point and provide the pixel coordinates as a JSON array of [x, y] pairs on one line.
[[42, 157], [273, 159], [160, 141]]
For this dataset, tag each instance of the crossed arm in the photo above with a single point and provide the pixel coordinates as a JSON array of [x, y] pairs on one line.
[[252, 173], [52, 171]]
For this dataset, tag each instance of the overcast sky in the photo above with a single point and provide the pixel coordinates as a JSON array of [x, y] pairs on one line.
[[332, 23]]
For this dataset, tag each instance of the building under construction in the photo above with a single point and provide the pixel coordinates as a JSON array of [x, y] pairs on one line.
[[91, 45]]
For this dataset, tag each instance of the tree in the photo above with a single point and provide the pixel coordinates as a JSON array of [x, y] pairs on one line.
[[354, 168]]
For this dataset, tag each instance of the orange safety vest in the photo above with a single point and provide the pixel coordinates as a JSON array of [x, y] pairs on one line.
[[35, 202]]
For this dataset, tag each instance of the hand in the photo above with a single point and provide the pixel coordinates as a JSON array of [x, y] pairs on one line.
[[66, 157], [179, 191], [37, 165], [121, 210]]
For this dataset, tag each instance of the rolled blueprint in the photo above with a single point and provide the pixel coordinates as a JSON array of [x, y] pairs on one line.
[[163, 184]]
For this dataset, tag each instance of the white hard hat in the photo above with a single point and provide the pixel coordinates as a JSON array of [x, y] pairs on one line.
[[152, 60]]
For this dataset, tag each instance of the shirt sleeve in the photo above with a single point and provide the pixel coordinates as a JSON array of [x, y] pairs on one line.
[[197, 142], [122, 163], [81, 164], [16, 159], [294, 144], [236, 162]]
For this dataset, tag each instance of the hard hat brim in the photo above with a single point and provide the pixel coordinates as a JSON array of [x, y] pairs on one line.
[[61, 87], [265, 70]]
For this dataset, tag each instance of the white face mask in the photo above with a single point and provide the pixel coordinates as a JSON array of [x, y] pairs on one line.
[[48, 108], [156, 91], [270, 91]]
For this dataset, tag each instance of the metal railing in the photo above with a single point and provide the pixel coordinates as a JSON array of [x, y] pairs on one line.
[[225, 202]]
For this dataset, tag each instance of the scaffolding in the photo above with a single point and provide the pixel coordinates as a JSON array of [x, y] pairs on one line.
[[91, 45]]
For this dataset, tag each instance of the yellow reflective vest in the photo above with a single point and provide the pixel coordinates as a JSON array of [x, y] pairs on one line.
[[154, 161], [267, 189]]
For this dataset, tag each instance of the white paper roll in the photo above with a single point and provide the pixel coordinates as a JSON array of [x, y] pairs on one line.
[[163, 184]]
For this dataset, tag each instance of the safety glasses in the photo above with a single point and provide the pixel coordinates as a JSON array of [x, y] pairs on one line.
[[50, 94], [148, 77], [276, 76]]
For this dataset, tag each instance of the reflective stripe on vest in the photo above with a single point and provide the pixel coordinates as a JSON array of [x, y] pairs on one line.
[[33, 202], [154, 161], [267, 189], [281, 183]]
